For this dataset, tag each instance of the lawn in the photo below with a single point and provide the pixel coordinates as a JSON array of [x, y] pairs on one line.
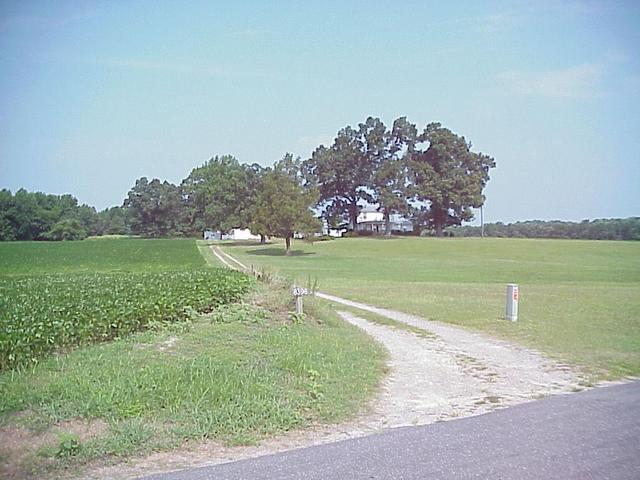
[[579, 300], [235, 373]]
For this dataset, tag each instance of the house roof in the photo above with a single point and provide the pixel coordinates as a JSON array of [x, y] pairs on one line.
[[369, 209]]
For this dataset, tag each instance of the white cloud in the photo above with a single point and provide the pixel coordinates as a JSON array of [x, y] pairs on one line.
[[492, 23], [631, 84], [581, 81], [307, 144], [497, 21], [36, 22], [251, 32], [618, 56], [585, 7], [193, 68]]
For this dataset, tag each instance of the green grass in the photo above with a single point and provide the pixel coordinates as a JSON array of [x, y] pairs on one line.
[[105, 255], [579, 300]]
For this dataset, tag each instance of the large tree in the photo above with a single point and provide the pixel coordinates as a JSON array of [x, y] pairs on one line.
[[448, 177], [341, 173], [155, 209], [368, 164], [283, 203], [219, 193], [388, 152]]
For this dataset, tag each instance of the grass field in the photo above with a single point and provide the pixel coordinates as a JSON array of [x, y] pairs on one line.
[[99, 255], [579, 300], [241, 372]]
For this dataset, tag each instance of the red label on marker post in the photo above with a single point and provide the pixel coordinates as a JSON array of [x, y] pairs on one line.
[[515, 295]]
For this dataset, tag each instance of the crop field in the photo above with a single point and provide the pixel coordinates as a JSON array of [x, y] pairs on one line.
[[108, 288], [579, 300]]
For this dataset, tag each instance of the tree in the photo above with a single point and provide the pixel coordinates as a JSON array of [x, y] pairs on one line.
[[341, 173], [254, 175], [448, 177], [156, 209], [67, 229], [388, 152], [283, 204], [88, 218], [219, 193], [112, 221], [32, 215], [28, 216], [600, 229], [8, 227], [364, 164]]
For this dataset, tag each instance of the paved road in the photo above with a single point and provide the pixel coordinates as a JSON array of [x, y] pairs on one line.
[[588, 435]]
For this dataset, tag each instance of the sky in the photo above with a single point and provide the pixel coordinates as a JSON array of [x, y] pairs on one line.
[[94, 95]]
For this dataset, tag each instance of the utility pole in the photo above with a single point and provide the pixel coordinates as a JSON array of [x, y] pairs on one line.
[[482, 221]]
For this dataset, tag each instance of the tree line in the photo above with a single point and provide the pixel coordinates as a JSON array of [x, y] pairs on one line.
[[224, 194], [432, 177], [600, 229], [39, 216]]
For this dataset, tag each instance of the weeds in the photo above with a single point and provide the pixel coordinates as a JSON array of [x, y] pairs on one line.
[[68, 445]]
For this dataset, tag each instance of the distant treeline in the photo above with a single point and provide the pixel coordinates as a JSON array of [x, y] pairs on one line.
[[600, 229], [39, 216]]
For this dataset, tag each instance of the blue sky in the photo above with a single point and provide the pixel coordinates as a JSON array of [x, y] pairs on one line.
[[95, 95]]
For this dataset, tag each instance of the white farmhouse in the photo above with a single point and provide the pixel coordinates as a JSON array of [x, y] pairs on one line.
[[371, 220]]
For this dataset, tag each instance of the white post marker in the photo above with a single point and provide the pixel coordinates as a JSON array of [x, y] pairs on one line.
[[298, 292], [512, 302]]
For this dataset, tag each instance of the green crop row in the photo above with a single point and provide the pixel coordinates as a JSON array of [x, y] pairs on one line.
[[44, 313]]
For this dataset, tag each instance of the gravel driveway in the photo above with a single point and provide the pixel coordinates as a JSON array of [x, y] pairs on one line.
[[454, 373]]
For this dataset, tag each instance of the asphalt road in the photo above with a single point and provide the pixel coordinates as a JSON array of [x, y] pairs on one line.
[[589, 435]]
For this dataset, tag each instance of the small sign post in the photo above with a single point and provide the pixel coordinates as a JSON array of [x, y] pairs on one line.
[[299, 292], [512, 302]]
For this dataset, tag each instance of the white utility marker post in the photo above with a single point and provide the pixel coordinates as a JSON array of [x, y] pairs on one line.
[[298, 292], [512, 302]]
